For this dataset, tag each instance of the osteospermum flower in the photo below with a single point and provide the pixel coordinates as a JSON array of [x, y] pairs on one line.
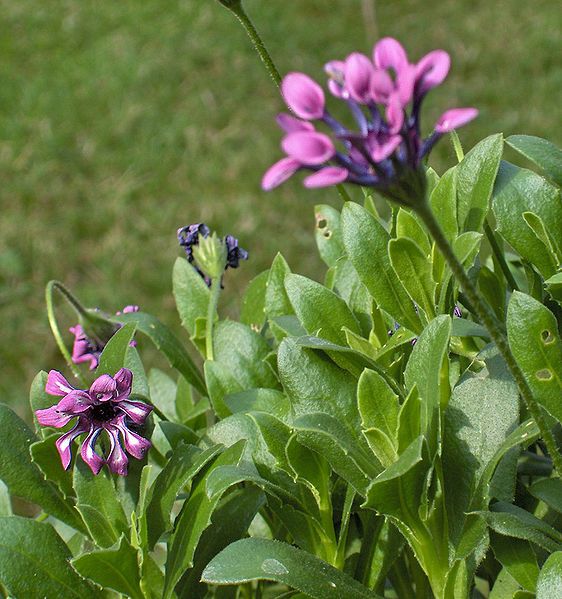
[[188, 238], [385, 148], [105, 406], [86, 349]]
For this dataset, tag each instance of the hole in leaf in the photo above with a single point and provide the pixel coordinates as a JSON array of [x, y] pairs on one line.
[[321, 223], [547, 337], [327, 233], [544, 374]]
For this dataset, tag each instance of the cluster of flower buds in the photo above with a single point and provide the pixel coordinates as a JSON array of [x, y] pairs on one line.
[[385, 149], [208, 254]]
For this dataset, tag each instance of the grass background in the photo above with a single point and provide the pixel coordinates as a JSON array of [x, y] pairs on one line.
[[121, 121]]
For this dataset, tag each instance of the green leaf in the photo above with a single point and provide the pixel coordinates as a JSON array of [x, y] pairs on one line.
[[443, 202], [413, 268], [536, 224], [270, 401], [408, 225], [168, 344], [347, 284], [115, 569], [191, 294], [332, 439], [518, 191], [397, 491], [534, 340], [34, 562], [5, 502], [475, 182], [239, 364], [276, 301], [22, 477], [97, 502], [518, 558], [44, 453], [252, 312], [193, 519], [512, 521], [229, 522], [261, 559], [319, 309], [163, 393], [425, 365], [482, 412], [541, 152], [548, 490], [328, 234], [554, 286], [113, 355], [549, 585], [184, 463], [39, 399], [366, 243]]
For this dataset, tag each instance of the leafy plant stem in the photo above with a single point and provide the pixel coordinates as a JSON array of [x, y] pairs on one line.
[[211, 309], [489, 321], [49, 300], [498, 254], [400, 579]]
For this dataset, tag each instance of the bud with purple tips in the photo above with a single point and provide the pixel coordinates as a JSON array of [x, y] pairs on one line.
[[384, 96], [105, 406]]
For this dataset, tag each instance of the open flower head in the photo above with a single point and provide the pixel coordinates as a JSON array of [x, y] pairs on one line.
[[384, 148], [104, 407]]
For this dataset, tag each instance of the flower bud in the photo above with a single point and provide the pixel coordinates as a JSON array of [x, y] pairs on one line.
[[210, 255]]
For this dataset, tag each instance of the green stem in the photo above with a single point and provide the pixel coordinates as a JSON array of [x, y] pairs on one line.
[[211, 309], [49, 300], [257, 42], [489, 321], [498, 254]]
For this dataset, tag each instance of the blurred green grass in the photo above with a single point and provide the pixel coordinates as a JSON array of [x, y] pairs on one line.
[[121, 121]]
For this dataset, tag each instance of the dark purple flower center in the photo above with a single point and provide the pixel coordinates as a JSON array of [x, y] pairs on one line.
[[103, 412]]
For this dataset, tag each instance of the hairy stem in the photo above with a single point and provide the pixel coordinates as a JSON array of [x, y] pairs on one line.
[[498, 254], [49, 300], [211, 309], [488, 319]]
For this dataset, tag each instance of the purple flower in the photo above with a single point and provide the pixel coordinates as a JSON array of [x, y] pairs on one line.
[[188, 236], [384, 149], [86, 349], [105, 406]]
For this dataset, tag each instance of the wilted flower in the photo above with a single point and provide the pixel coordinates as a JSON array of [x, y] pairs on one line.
[[105, 406], [88, 349], [384, 96], [189, 237]]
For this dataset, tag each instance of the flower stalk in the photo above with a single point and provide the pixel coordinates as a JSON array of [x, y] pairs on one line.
[[488, 319]]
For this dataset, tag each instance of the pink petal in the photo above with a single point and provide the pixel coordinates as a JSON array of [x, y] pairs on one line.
[[308, 147], [405, 82], [290, 124], [330, 175], [57, 384], [381, 151], [431, 70], [75, 403], [129, 309], [455, 118], [337, 90], [137, 411], [335, 69], [303, 96], [117, 460], [389, 53], [381, 86], [88, 452], [124, 382], [358, 71], [103, 388], [394, 114], [53, 417], [279, 173], [64, 442], [136, 445]]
